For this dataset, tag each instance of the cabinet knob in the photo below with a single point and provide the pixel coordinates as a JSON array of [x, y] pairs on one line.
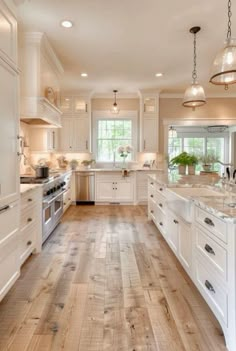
[[175, 221], [29, 220], [209, 222], [152, 211], [209, 286], [29, 200], [160, 205], [161, 224], [209, 249], [151, 195], [161, 189], [151, 183], [29, 243]]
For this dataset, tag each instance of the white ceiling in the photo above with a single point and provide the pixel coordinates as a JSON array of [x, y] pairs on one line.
[[122, 44]]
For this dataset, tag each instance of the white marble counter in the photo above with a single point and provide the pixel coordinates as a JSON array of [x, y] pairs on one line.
[[27, 187], [222, 206]]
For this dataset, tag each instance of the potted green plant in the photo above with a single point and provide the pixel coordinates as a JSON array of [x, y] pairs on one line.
[[193, 161], [181, 160], [74, 164], [207, 162]]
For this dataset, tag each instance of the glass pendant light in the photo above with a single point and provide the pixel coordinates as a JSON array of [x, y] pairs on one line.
[[224, 65], [194, 95], [115, 108], [172, 132]]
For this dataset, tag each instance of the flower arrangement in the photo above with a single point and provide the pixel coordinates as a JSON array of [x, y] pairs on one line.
[[124, 151]]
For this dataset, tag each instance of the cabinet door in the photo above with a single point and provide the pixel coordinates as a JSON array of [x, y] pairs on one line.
[[185, 245], [81, 135], [150, 136], [124, 191], [66, 134], [9, 170], [52, 140], [80, 104], [105, 191], [8, 35], [172, 231]]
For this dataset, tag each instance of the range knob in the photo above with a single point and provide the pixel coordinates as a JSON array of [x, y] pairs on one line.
[[58, 187], [48, 192]]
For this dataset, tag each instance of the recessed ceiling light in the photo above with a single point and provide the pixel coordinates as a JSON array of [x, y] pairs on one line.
[[84, 75], [66, 24], [159, 74]]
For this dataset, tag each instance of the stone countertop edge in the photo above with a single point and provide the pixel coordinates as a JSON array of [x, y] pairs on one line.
[[24, 188]]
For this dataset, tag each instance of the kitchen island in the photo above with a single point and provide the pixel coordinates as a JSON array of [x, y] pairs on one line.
[[198, 221]]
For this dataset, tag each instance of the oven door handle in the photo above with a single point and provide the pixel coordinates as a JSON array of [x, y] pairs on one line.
[[45, 202]]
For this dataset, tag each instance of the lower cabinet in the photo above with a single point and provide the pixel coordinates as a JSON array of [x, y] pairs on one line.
[[114, 188], [9, 247], [30, 239]]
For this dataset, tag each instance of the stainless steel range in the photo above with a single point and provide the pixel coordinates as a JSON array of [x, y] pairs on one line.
[[52, 206]]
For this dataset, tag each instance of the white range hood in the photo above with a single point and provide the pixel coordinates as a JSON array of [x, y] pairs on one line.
[[41, 69]]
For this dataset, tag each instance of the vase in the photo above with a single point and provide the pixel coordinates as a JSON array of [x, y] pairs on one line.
[[182, 169], [206, 168]]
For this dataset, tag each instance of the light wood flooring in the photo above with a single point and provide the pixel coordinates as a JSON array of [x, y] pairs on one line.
[[106, 280]]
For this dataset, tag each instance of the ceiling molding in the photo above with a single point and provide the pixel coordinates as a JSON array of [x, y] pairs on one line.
[[119, 96]]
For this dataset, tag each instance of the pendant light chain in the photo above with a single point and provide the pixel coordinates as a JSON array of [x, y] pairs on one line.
[[194, 74], [229, 20]]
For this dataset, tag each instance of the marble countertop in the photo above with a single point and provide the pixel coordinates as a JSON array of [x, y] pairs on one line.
[[28, 187], [116, 169], [221, 206]]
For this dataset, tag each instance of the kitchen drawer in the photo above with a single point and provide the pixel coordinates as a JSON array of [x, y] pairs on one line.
[[9, 219], [214, 224], [28, 216], [213, 252], [9, 262], [29, 198], [142, 193], [212, 291], [160, 219], [161, 190], [27, 241], [151, 209], [161, 201]]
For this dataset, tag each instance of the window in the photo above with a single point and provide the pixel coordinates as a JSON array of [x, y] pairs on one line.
[[111, 132], [199, 143]]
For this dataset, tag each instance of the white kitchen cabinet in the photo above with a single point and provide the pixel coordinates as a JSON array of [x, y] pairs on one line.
[[72, 105], [43, 139], [173, 231], [149, 121], [142, 185], [9, 147], [30, 236], [185, 245], [9, 119], [67, 196], [8, 37], [105, 190], [150, 134], [74, 134], [114, 188]]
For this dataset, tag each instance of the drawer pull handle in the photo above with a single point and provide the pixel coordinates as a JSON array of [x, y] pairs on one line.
[[29, 243], [209, 249], [209, 286], [209, 222], [29, 200], [175, 221], [151, 183], [4, 208], [161, 189], [29, 220], [152, 211], [151, 195], [160, 205], [161, 224]]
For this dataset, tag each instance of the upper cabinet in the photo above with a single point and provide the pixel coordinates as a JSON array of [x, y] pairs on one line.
[[40, 80], [149, 122], [43, 139], [75, 105], [75, 134], [8, 35]]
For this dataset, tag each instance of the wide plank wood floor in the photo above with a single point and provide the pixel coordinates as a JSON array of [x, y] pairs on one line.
[[106, 281]]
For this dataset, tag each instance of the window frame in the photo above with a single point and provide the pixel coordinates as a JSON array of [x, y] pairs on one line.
[[123, 115]]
